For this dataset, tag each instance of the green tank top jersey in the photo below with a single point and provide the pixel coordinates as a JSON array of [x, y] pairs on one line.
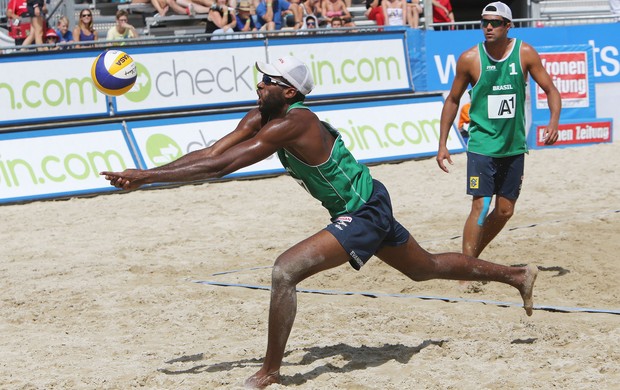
[[341, 183], [497, 112]]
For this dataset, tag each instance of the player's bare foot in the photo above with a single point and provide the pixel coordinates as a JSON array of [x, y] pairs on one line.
[[260, 380], [527, 288]]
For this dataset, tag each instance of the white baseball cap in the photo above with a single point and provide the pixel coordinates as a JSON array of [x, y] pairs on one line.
[[498, 8], [291, 70]]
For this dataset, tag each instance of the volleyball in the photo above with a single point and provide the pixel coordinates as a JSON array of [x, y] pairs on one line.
[[114, 72]]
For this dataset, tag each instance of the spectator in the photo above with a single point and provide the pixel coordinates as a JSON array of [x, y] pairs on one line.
[[333, 8], [185, 7], [395, 12], [414, 10], [245, 23], [221, 20], [122, 30], [35, 7], [85, 31], [269, 14], [374, 11], [311, 7], [37, 11], [51, 38], [464, 121], [62, 30], [337, 22], [311, 22], [442, 13], [161, 7], [15, 12]]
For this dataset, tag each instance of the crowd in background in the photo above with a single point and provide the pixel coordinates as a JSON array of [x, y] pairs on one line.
[[28, 24]]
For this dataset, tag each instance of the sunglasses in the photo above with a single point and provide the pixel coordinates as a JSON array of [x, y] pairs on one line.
[[86, 16], [494, 23], [268, 80]]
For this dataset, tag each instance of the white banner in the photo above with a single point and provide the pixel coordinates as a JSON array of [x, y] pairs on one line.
[[39, 164], [66, 162], [49, 89], [373, 131], [224, 74]]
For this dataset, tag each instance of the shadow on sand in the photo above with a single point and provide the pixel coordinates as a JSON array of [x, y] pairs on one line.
[[357, 358]]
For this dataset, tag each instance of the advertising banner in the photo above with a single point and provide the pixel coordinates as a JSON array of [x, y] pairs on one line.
[[66, 161], [219, 74], [604, 39], [585, 132], [48, 88], [352, 65], [62, 162], [182, 76], [571, 71], [384, 130]]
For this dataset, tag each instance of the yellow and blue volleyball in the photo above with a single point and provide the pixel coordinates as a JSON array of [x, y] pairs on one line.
[[114, 72]]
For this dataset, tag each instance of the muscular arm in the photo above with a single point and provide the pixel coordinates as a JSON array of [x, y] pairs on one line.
[[534, 66], [238, 150], [466, 68]]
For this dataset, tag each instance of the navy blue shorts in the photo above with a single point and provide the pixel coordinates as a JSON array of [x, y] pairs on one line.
[[366, 230], [487, 176]]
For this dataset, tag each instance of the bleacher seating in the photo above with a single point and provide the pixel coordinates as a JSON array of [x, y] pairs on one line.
[[143, 15], [571, 11]]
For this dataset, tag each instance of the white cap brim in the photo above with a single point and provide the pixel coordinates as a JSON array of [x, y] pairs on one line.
[[267, 69]]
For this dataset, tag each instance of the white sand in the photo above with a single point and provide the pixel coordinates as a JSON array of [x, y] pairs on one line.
[[95, 291]]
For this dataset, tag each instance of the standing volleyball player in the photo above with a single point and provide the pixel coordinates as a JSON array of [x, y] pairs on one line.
[[497, 70]]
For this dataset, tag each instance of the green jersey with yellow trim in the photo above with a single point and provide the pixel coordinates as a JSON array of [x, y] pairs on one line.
[[497, 112], [341, 183]]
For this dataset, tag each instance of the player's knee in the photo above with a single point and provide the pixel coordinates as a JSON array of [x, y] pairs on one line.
[[505, 212], [281, 273]]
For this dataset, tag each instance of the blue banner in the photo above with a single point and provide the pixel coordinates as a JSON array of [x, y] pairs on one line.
[[604, 39]]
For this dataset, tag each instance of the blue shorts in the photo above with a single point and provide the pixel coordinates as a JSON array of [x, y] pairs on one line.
[[487, 176], [363, 232]]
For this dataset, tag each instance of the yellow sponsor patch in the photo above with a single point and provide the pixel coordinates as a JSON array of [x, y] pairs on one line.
[[474, 182]]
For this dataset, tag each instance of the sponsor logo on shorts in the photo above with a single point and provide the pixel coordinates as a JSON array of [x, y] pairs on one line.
[[356, 258], [342, 222], [474, 182]]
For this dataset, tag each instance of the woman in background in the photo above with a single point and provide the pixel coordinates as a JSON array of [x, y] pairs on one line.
[[84, 31], [395, 12]]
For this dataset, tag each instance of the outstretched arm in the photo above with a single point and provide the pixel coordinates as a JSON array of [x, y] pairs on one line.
[[245, 146], [542, 78]]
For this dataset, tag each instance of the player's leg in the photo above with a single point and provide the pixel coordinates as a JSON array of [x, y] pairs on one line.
[[315, 254], [506, 174], [420, 265], [495, 221], [472, 232]]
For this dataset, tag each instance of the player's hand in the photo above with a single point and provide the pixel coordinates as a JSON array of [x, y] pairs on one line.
[[550, 135], [443, 154], [129, 179]]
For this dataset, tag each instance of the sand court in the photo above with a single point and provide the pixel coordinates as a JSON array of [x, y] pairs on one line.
[[99, 293]]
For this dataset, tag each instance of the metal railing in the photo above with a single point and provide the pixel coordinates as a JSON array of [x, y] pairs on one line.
[[187, 36]]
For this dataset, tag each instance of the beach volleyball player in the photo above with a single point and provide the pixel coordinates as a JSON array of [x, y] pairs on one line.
[[497, 69], [362, 224]]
